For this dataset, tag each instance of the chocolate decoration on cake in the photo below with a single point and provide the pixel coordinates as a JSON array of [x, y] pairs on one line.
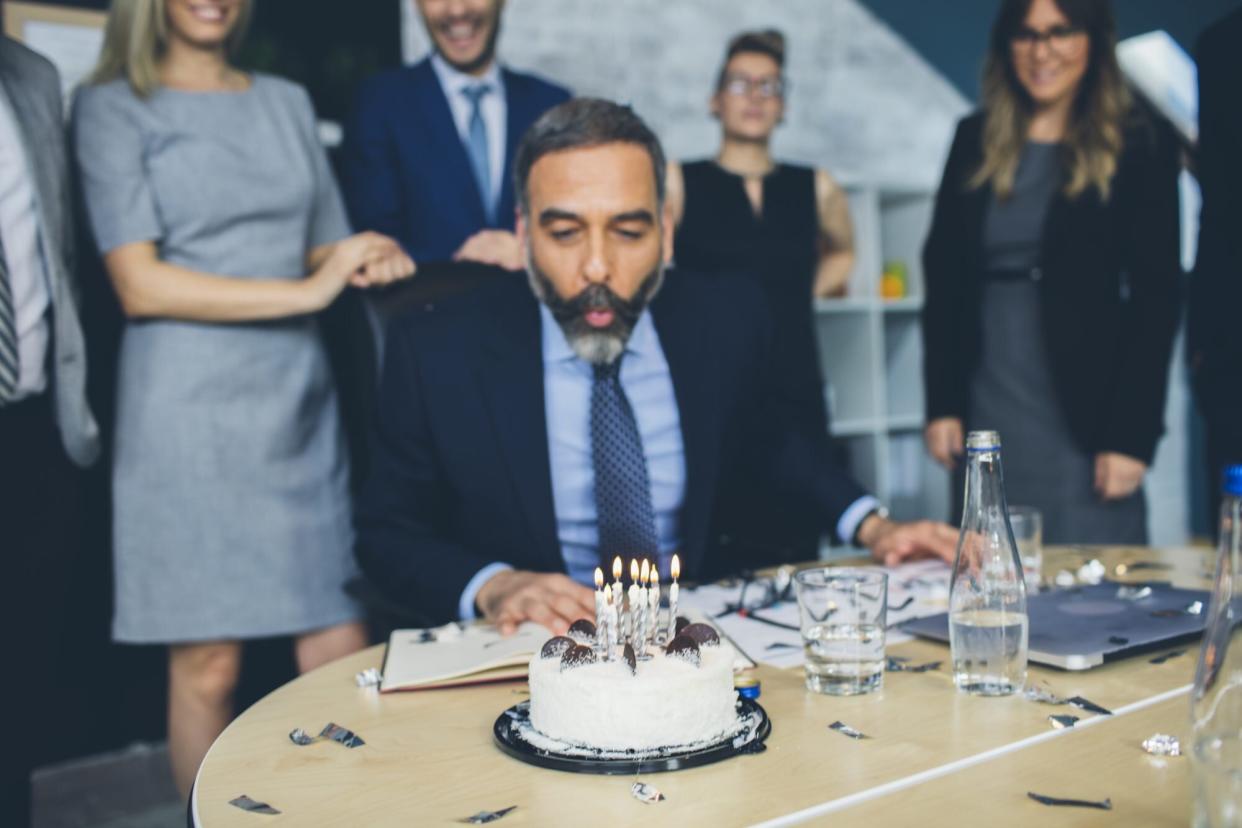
[[582, 627], [703, 634], [577, 656], [684, 647], [557, 646], [630, 659], [682, 623]]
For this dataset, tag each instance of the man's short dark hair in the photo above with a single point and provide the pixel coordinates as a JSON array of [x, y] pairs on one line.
[[585, 122]]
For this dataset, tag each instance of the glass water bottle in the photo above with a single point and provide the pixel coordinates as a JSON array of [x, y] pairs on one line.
[[1216, 702], [987, 601]]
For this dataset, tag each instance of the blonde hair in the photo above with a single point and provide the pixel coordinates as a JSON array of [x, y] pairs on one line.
[[136, 37], [1094, 137]]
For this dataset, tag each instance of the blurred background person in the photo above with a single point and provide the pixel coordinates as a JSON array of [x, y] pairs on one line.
[[428, 153], [211, 200], [1214, 341], [1052, 270], [47, 431], [787, 226]]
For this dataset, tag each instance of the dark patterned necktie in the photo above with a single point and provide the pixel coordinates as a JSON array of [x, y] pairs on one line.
[[622, 491], [8, 334]]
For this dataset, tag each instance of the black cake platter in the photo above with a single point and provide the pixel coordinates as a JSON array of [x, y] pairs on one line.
[[513, 732]]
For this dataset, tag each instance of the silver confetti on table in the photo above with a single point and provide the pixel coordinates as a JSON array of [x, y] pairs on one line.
[[1088, 705], [646, 793], [330, 732], [370, 677], [1092, 572], [1195, 608], [1133, 593], [1042, 693], [1103, 804], [484, 817], [247, 804], [1162, 744], [1064, 578], [846, 730], [901, 665], [1063, 722]]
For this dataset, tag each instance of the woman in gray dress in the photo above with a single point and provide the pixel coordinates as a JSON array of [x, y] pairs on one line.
[[223, 234], [1052, 273]]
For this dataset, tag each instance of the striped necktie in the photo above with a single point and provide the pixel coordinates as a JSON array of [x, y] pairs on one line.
[[9, 367]]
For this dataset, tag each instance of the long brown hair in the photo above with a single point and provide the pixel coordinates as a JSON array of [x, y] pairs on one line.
[[136, 37], [1094, 136]]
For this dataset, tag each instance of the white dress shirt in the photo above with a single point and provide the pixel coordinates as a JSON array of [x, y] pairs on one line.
[[19, 229], [492, 107]]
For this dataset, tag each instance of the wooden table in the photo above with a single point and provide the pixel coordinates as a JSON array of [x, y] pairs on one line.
[[937, 757]]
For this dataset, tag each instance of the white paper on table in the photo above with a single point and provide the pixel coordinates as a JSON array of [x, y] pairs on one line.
[[926, 581]]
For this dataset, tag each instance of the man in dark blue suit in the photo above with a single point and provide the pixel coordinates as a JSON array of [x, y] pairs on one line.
[[522, 440], [428, 149]]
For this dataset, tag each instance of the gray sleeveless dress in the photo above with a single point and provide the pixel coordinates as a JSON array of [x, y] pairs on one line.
[[230, 495], [1012, 390]]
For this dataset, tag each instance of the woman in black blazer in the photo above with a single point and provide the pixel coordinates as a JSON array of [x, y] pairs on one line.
[[1053, 275]]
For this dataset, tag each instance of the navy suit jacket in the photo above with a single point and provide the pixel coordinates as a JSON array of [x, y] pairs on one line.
[[460, 471], [405, 169]]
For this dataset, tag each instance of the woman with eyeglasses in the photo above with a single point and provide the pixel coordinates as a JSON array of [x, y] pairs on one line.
[[1052, 271], [785, 225]]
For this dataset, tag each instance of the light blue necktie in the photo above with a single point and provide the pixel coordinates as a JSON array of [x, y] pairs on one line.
[[622, 489], [476, 146], [9, 367]]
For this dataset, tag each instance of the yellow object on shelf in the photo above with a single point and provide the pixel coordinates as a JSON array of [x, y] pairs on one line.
[[893, 281]]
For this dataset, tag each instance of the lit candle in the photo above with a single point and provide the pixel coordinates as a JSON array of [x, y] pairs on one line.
[[653, 599], [631, 626], [601, 624], [610, 620], [618, 596], [675, 571], [644, 622]]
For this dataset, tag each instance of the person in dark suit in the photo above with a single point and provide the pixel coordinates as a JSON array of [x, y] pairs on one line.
[[522, 439], [428, 151], [47, 431], [1214, 340], [1053, 275]]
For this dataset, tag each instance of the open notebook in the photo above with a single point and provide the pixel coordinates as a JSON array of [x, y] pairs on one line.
[[452, 656]]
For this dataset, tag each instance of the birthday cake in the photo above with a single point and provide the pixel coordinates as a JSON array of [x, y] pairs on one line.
[[588, 692]]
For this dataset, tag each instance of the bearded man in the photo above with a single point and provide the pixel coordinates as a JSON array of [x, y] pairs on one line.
[[526, 435]]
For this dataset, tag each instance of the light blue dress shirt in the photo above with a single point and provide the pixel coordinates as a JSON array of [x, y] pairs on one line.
[[648, 384]]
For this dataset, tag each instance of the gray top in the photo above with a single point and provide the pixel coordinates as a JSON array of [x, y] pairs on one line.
[[1014, 227], [231, 504], [1013, 390]]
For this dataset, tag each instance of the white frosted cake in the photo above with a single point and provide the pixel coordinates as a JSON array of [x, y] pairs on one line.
[[673, 699]]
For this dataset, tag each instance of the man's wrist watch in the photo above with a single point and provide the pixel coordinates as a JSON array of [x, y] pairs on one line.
[[878, 511]]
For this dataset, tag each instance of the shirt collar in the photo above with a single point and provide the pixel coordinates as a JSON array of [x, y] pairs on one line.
[[556, 347], [454, 81]]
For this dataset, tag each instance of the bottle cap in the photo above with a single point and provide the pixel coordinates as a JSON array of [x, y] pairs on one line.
[[983, 441], [1233, 480], [748, 687]]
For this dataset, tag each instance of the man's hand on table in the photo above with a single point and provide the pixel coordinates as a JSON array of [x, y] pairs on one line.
[[892, 543], [550, 599]]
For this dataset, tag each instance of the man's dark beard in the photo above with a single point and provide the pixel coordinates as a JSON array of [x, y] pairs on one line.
[[596, 345], [485, 56]]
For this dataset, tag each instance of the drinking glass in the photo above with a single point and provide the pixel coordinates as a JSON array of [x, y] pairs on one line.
[[843, 614], [1028, 532]]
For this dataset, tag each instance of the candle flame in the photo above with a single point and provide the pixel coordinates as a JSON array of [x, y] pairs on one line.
[[616, 568], [655, 576], [599, 577], [676, 568], [634, 570], [644, 574], [608, 594]]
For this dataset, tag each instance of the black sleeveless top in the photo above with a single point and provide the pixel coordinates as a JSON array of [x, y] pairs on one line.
[[720, 232]]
